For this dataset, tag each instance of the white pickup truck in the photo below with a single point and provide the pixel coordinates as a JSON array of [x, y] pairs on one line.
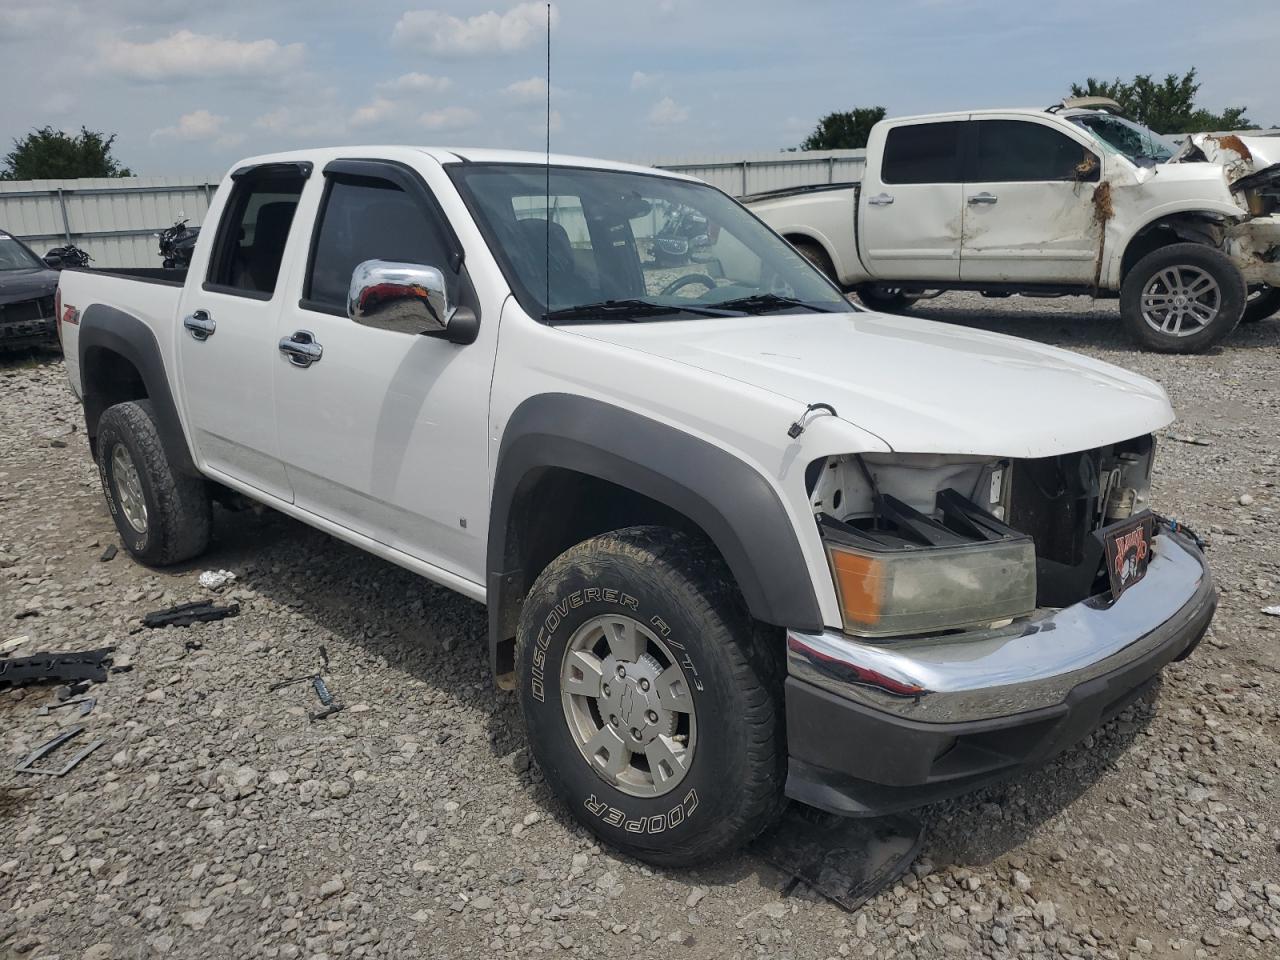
[[1071, 200], [739, 539]]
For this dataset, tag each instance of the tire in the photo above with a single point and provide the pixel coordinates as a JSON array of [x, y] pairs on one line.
[[1171, 272], [163, 516], [884, 299], [1262, 302], [675, 593], [818, 257]]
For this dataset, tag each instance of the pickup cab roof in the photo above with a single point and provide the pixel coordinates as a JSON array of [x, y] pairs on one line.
[[449, 155]]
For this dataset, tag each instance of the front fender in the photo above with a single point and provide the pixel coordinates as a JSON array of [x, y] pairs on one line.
[[733, 504]]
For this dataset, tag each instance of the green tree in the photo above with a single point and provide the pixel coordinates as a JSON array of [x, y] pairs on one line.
[[844, 130], [49, 154], [1166, 106]]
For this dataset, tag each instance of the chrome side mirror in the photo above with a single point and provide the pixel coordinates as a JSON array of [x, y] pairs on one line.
[[401, 297]]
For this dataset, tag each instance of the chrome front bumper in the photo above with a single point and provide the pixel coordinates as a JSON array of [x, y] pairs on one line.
[[1027, 666]]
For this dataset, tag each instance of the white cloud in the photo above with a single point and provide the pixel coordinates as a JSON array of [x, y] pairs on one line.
[[374, 112], [666, 112], [533, 90], [310, 122], [448, 119], [416, 83], [444, 34], [187, 54], [199, 125], [641, 80]]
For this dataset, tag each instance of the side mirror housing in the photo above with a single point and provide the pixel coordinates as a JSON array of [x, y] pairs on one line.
[[53, 261], [400, 297]]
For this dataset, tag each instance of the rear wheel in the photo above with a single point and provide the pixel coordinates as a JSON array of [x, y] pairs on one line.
[[818, 257], [884, 299], [1263, 302], [651, 708], [163, 516], [1182, 298]]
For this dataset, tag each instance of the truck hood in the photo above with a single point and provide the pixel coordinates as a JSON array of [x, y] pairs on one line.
[[921, 386], [1247, 162]]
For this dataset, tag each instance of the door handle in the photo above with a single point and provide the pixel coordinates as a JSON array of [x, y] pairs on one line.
[[880, 200], [200, 324], [301, 348], [983, 197]]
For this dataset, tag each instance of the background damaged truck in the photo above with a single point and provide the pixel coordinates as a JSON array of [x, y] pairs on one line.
[[739, 539], [1071, 200]]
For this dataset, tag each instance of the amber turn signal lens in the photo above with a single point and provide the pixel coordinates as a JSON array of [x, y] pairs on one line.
[[860, 582]]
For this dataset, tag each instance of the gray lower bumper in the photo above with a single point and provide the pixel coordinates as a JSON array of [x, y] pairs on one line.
[[1025, 667]]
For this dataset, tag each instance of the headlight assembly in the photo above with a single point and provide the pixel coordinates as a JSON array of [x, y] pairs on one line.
[[904, 573]]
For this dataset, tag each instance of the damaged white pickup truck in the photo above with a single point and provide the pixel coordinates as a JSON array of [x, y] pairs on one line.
[[739, 539], [1071, 200]]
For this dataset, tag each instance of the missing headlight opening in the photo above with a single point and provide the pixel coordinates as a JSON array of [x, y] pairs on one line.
[[928, 543]]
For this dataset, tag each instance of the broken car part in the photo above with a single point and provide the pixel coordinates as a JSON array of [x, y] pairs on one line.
[[845, 860], [185, 614], [86, 705], [331, 706], [48, 747], [43, 667]]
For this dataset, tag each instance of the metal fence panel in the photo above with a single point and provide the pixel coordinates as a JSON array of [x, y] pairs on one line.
[[113, 219]]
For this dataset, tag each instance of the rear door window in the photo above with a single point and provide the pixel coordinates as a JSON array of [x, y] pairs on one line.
[[922, 153], [1020, 151], [252, 235]]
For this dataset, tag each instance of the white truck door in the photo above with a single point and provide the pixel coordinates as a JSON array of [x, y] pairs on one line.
[[385, 432], [226, 349], [909, 211], [1028, 212]]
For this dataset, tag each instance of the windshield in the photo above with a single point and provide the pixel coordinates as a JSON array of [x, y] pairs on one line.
[[14, 256], [633, 246], [1143, 146]]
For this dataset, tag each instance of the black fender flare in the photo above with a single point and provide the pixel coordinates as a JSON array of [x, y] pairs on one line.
[[106, 328], [733, 504]]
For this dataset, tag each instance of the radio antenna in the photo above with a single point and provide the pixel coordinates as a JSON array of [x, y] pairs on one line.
[[548, 161]]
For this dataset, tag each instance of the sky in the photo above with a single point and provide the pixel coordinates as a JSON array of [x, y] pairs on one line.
[[190, 86]]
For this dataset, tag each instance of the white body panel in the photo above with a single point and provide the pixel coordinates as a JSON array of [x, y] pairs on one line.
[[390, 442]]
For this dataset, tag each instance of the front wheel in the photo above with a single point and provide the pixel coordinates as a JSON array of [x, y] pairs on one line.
[[1263, 302], [1182, 298], [651, 708]]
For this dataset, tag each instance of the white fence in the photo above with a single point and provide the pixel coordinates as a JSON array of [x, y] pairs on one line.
[[115, 220]]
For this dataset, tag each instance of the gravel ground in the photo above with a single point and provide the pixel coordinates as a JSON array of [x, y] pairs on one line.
[[218, 821]]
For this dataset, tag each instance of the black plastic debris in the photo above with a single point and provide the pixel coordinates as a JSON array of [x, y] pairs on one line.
[[846, 860], [185, 614], [48, 667], [109, 553], [26, 764]]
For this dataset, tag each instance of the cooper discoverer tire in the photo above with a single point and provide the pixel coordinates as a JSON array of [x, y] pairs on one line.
[[652, 614], [163, 516], [1182, 298]]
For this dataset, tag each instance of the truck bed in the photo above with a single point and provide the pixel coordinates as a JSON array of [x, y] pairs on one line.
[[151, 294], [854, 185]]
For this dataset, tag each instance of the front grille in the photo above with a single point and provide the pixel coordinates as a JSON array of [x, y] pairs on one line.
[[29, 318]]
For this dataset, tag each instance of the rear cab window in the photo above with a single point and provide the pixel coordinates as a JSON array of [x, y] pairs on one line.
[[923, 153], [253, 232]]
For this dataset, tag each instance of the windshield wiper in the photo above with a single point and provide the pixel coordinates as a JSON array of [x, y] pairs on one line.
[[765, 302], [628, 309]]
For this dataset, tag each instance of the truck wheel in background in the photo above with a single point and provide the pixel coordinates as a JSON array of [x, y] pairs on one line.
[[1182, 298], [1263, 301], [163, 516], [884, 299], [652, 708]]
